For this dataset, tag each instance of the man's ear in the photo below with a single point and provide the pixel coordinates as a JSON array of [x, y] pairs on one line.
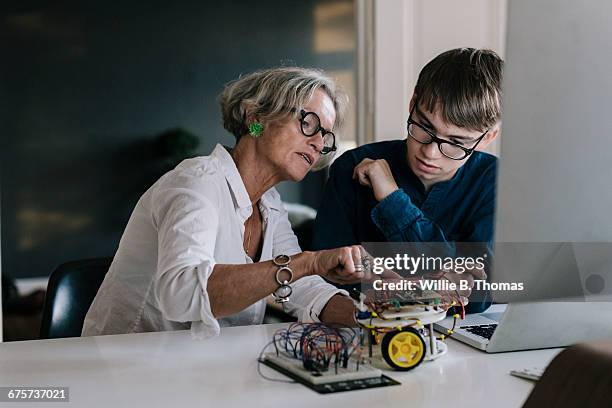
[[489, 137], [412, 101]]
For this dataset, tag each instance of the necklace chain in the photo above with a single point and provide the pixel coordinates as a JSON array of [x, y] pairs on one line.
[[249, 230], [248, 245]]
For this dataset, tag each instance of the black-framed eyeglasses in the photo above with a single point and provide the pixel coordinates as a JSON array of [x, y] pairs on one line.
[[449, 149], [310, 124]]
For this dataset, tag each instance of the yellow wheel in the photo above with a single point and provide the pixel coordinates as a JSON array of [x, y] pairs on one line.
[[403, 350]]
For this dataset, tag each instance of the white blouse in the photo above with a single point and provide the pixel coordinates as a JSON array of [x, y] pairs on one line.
[[189, 220]]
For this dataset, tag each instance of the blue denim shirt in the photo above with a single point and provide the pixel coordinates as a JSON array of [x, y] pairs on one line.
[[458, 210]]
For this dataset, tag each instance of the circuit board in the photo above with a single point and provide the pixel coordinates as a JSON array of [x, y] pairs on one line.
[[353, 371], [331, 381], [423, 296], [407, 297]]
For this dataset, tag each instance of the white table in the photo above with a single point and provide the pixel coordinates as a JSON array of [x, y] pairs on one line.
[[170, 369]]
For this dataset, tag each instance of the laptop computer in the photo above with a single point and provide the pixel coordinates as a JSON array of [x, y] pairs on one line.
[[532, 325], [553, 310]]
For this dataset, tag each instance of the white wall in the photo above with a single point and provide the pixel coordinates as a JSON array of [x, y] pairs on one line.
[[554, 180], [409, 33]]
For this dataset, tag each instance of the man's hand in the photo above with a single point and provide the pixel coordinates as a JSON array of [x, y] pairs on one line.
[[377, 175], [468, 276]]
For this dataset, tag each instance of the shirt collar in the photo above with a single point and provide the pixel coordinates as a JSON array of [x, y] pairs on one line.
[[270, 199]]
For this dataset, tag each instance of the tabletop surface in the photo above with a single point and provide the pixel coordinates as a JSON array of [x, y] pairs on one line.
[[172, 369]]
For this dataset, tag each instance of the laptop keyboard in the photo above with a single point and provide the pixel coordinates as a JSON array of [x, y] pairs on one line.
[[482, 330]]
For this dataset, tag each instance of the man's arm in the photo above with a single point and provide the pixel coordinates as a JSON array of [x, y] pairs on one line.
[[335, 223], [339, 310], [400, 220]]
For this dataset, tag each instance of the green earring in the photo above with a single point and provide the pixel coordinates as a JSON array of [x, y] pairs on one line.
[[256, 129]]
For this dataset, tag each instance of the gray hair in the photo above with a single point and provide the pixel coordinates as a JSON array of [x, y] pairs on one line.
[[275, 93]]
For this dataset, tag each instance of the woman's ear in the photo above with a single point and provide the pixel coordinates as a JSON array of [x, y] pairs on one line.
[[250, 118], [254, 126]]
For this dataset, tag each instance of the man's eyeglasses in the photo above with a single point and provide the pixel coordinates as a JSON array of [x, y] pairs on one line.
[[449, 149], [310, 124]]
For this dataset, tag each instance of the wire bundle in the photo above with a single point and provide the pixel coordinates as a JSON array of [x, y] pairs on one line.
[[318, 345]]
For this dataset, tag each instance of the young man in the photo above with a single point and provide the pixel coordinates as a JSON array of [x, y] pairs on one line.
[[435, 186]]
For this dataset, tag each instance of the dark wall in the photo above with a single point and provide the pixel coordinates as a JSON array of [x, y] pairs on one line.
[[88, 88]]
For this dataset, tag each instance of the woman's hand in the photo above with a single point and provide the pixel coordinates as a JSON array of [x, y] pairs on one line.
[[339, 265]]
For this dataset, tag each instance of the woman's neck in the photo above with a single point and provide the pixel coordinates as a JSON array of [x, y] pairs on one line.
[[257, 175]]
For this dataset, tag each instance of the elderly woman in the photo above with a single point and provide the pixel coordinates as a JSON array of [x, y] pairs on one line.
[[210, 240]]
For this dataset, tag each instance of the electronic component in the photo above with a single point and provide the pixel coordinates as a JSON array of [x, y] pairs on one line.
[[353, 371], [329, 359], [533, 373], [324, 358], [402, 323]]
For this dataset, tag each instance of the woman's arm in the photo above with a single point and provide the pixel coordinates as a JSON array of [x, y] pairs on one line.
[[232, 288]]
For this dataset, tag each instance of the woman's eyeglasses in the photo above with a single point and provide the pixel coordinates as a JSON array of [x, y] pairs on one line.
[[310, 124]]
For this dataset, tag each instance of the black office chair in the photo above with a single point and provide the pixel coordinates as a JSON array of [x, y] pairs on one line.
[[71, 289]]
